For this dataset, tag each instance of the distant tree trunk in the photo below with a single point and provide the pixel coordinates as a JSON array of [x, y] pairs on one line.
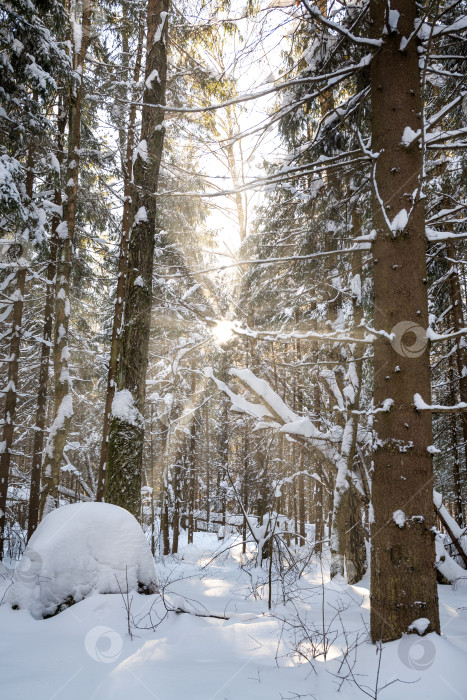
[[319, 522], [403, 579], [122, 270], [461, 359], [298, 406], [125, 453], [245, 486], [11, 398], [208, 466], [455, 462], [165, 523], [151, 458], [192, 474], [177, 483], [347, 516], [237, 179], [224, 457], [318, 492], [164, 501], [294, 502], [41, 409], [63, 404], [191, 463]]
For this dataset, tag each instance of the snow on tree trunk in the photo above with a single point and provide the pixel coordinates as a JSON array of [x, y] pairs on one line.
[[122, 266], [63, 406], [403, 581], [461, 359], [41, 408], [126, 439], [11, 393]]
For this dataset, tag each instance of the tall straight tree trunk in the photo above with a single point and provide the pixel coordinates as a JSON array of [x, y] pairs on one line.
[[298, 407], [403, 580], [165, 523], [121, 275], [176, 481], [63, 404], [348, 536], [208, 466], [41, 409], [11, 391], [191, 464], [11, 398], [125, 455], [319, 522], [455, 463], [461, 359]]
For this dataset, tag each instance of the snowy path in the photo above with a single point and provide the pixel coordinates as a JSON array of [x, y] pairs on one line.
[[85, 652]]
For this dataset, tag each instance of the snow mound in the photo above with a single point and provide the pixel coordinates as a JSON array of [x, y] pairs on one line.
[[77, 550]]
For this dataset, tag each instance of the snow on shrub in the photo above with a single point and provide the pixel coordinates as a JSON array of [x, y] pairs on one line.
[[77, 550]]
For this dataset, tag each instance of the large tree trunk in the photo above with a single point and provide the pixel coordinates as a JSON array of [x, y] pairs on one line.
[[122, 271], [41, 409], [63, 404], [403, 581], [125, 456]]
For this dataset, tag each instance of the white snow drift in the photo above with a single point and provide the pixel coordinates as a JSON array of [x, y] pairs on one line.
[[77, 550]]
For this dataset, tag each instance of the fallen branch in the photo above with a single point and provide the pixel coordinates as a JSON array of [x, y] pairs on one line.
[[450, 526]]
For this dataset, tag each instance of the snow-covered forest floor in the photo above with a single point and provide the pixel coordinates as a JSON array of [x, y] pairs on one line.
[[87, 652]]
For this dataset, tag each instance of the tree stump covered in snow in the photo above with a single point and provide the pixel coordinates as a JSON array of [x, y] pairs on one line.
[[78, 550]]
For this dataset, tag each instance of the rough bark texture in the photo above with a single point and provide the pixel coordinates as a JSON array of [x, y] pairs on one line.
[[126, 440], [191, 464], [121, 278], [403, 580], [351, 536], [347, 533], [41, 409], [63, 410], [11, 397], [461, 360]]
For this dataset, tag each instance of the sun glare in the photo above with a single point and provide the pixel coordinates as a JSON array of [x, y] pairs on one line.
[[222, 332]]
